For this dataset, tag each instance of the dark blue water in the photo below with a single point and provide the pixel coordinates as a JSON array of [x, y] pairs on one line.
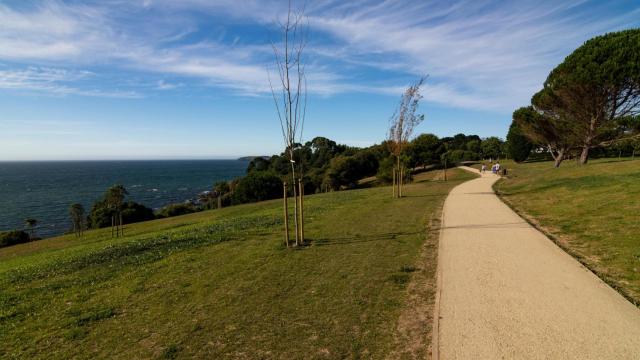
[[45, 190]]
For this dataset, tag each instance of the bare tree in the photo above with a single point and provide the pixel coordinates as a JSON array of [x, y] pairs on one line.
[[291, 97], [403, 122]]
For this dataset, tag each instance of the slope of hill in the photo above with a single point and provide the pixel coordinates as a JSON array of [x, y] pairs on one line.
[[592, 211], [221, 284]]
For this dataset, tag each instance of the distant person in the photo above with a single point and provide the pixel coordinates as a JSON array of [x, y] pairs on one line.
[[483, 169], [497, 167]]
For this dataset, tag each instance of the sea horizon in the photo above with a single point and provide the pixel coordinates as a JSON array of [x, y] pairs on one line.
[[45, 190], [239, 157]]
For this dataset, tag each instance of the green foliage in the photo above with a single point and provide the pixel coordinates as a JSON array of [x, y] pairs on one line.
[[257, 164], [425, 149], [112, 203], [492, 148], [176, 210], [257, 186], [222, 187], [518, 146], [13, 237], [584, 96], [345, 171], [456, 156], [133, 212]]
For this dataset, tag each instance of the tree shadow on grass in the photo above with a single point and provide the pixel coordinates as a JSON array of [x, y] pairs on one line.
[[359, 239]]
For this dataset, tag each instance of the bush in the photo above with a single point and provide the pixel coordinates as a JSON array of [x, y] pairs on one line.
[[176, 210], [13, 237], [257, 186], [132, 212]]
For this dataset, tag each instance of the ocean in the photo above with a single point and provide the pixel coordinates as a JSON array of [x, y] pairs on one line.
[[45, 190]]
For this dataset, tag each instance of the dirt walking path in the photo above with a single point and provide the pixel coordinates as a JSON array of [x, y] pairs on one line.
[[508, 292]]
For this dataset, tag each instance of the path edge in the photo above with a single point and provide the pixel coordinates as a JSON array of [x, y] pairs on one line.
[[554, 239], [435, 329]]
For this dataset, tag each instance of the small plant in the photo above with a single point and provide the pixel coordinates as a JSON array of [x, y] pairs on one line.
[[171, 352]]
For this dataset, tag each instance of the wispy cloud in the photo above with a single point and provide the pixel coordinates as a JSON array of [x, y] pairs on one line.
[[54, 81], [479, 54]]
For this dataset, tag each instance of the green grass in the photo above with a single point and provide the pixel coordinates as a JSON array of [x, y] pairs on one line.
[[592, 211], [220, 284]]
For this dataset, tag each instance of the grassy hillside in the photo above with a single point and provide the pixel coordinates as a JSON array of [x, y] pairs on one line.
[[593, 211], [220, 284]]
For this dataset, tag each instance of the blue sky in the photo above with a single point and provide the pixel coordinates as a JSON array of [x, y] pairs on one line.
[[147, 79]]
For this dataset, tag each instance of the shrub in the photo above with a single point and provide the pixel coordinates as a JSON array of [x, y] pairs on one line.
[[132, 212], [13, 237], [176, 210]]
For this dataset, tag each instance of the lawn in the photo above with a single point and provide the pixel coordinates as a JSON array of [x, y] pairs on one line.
[[220, 284], [592, 211]]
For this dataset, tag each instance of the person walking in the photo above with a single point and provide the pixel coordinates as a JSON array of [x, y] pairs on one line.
[[483, 169]]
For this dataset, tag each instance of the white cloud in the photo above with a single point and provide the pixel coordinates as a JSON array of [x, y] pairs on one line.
[[479, 54], [54, 81]]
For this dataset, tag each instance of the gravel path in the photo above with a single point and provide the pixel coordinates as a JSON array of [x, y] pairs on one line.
[[508, 292]]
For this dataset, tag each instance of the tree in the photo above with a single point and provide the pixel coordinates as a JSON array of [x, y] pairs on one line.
[[258, 164], [403, 122], [103, 215], [491, 147], [221, 187], [257, 186], [425, 150], [114, 199], [77, 219], [474, 146], [544, 128], [31, 224], [595, 85], [291, 101], [518, 146]]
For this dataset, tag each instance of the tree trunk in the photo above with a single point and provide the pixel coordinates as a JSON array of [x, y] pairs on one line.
[[295, 197], [301, 190], [398, 179], [558, 159], [393, 187], [584, 155], [401, 179], [286, 215], [445, 169]]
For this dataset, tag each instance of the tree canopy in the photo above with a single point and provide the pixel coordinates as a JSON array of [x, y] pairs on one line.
[[593, 87]]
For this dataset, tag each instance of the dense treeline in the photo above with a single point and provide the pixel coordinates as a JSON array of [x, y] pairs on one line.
[[589, 104], [328, 166]]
